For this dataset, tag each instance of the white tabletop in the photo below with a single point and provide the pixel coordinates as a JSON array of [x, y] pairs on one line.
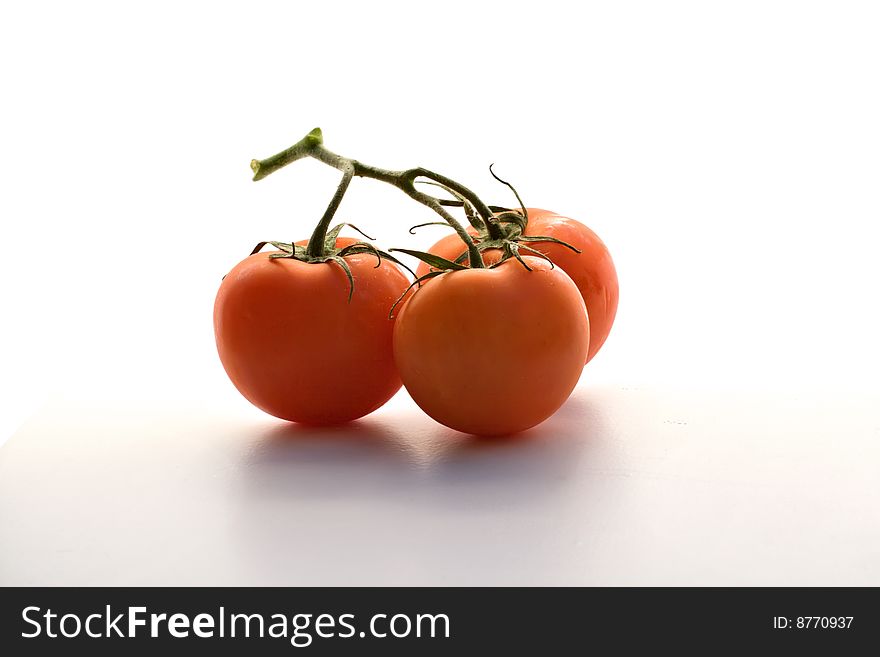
[[624, 486]]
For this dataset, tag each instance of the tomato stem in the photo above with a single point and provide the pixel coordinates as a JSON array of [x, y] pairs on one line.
[[317, 246], [312, 145]]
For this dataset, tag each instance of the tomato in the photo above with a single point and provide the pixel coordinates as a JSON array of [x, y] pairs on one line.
[[293, 344], [592, 270], [493, 351]]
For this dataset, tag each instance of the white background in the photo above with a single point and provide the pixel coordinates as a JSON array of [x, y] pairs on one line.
[[727, 153]]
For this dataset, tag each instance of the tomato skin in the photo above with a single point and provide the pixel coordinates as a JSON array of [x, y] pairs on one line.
[[493, 351], [295, 347], [592, 270]]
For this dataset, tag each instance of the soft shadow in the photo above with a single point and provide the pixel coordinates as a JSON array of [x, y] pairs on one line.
[[391, 498], [291, 443], [295, 460], [407, 453], [528, 466]]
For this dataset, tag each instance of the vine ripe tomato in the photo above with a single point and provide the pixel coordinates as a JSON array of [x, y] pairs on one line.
[[592, 270], [296, 347], [493, 351]]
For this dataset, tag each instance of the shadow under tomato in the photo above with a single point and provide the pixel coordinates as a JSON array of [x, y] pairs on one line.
[[410, 449], [294, 443], [289, 460], [529, 465], [399, 486], [408, 456]]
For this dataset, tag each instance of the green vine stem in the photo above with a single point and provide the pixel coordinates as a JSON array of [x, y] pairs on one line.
[[318, 241], [312, 145]]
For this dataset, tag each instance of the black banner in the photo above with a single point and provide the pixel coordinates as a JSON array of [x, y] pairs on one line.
[[132, 621]]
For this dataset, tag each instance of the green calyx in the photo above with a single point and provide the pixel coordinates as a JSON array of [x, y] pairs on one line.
[[513, 241], [503, 230], [329, 252]]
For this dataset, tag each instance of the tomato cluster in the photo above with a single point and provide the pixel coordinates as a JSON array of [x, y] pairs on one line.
[[326, 330]]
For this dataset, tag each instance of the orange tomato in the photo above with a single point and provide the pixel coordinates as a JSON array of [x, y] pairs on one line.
[[493, 351], [295, 347], [592, 270]]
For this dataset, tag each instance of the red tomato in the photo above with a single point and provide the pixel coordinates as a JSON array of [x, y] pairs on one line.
[[293, 344], [493, 351], [592, 270]]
